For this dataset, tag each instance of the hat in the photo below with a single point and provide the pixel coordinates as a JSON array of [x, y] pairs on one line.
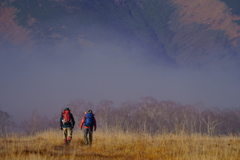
[[89, 111], [66, 109]]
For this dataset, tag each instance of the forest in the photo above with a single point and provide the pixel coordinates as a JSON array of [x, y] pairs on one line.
[[146, 116]]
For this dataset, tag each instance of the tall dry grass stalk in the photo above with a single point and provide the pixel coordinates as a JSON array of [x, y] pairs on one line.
[[120, 145]]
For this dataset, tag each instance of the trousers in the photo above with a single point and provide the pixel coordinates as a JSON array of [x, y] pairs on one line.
[[88, 136], [67, 133]]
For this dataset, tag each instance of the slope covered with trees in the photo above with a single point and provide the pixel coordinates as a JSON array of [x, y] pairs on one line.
[[190, 32]]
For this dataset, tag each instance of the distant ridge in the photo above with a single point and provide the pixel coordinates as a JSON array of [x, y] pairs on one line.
[[191, 32]]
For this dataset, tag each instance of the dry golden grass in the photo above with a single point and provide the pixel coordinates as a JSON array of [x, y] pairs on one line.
[[109, 145]]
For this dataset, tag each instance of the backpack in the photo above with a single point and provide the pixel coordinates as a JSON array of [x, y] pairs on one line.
[[66, 117], [89, 120]]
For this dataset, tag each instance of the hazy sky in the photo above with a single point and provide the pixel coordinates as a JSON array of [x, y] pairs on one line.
[[48, 81]]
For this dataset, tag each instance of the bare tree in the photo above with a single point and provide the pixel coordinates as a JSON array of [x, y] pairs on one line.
[[104, 109], [148, 115], [211, 119], [5, 123], [35, 124]]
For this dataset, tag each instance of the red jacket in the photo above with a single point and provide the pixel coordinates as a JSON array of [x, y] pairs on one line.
[[83, 121]]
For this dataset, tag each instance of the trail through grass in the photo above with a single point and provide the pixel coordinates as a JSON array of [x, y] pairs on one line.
[[120, 145]]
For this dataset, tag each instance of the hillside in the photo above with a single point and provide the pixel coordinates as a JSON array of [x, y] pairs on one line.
[[189, 32]]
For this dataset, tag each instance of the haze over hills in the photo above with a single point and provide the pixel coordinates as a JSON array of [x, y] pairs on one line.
[[55, 51], [189, 32]]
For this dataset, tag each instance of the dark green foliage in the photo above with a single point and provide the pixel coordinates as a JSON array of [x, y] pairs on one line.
[[148, 23], [153, 24], [234, 5], [157, 14], [5, 2], [42, 10], [46, 13], [237, 21]]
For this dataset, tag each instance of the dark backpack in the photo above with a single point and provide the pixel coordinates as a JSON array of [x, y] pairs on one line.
[[66, 117], [89, 120]]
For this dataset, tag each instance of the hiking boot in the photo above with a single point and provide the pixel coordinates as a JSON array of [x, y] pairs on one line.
[[69, 139], [85, 140]]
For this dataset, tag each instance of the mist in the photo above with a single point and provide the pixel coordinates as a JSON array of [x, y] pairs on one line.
[[48, 79]]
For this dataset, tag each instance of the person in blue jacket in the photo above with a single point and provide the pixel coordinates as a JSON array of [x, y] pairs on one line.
[[90, 125]]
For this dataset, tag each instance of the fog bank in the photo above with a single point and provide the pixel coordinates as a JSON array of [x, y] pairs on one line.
[[48, 80]]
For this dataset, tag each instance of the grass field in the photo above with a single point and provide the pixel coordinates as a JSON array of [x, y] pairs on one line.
[[120, 145]]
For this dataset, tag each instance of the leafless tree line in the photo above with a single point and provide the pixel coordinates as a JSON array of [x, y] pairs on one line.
[[152, 116], [148, 115]]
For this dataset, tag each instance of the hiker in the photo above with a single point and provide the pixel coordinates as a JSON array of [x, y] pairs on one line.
[[90, 125], [67, 124]]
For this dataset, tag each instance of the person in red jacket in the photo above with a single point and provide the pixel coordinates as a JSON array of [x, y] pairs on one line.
[[67, 123], [90, 125]]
